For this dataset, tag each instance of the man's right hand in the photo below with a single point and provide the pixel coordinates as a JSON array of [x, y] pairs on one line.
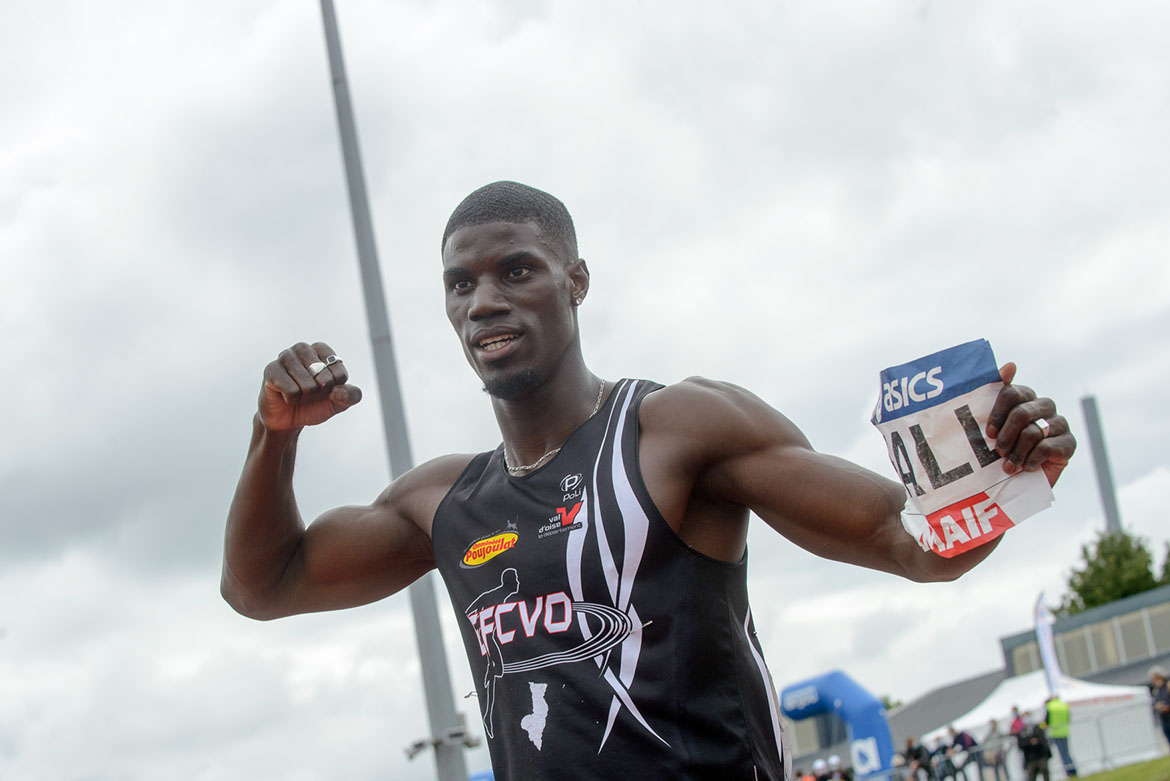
[[292, 397]]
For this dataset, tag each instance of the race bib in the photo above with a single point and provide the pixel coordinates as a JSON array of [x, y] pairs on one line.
[[933, 413]]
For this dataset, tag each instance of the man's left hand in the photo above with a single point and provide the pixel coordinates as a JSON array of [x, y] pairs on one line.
[[1022, 441]]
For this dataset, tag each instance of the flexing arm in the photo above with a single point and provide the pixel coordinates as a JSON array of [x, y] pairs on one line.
[[721, 447], [273, 564]]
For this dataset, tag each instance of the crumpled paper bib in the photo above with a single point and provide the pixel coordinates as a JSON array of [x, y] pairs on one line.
[[933, 414]]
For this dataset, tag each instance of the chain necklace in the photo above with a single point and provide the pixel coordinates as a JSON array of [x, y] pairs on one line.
[[515, 470]]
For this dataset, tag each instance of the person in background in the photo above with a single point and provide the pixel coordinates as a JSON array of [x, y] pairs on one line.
[[1033, 744], [1017, 721], [943, 758], [1056, 719], [918, 761], [820, 769], [837, 771], [1160, 691], [995, 751], [964, 751]]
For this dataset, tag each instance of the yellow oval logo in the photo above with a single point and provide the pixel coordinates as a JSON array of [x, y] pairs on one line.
[[489, 547]]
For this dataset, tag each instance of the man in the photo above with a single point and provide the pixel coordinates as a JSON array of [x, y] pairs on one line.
[[944, 762], [995, 750], [1160, 691], [964, 751], [621, 643], [918, 761], [1033, 745], [1056, 718]]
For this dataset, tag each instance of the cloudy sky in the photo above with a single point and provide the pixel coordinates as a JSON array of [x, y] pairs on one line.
[[787, 196]]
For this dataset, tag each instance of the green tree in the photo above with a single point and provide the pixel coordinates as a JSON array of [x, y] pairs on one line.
[[1116, 566]]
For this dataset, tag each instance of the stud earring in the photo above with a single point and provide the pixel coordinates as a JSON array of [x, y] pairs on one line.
[[578, 300]]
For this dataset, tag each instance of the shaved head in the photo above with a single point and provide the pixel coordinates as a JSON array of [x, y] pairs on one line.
[[514, 202]]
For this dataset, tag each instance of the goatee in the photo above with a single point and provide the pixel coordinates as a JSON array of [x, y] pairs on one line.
[[513, 386]]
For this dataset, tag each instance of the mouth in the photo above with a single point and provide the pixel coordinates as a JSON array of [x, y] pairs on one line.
[[495, 345]]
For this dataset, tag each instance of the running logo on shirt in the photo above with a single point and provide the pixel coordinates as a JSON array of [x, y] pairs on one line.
[[497, 617]]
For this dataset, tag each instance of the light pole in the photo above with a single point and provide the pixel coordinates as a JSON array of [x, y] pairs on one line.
[[448, 734]]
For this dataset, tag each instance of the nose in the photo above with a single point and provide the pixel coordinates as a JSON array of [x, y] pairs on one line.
[[486, 300]]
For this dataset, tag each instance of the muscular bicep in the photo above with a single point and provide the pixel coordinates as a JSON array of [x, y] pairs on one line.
[[352, 556], [727, 447], [825, 504], [713, 445], [355, 555]]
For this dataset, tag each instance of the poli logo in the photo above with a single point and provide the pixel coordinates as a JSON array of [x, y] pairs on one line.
[[865, 755], [486, 549]]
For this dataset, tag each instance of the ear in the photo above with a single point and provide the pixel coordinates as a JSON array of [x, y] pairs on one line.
[[578, 281]]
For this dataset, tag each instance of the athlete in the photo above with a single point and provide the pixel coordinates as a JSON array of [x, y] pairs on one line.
[[597, 557]]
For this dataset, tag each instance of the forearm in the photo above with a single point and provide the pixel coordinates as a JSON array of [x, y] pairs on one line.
[[264, 526], [842, 511]]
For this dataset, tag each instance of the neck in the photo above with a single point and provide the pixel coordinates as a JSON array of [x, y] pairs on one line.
[[544, 419]]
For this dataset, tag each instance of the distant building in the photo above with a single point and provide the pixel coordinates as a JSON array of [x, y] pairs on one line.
[[1115, 643]]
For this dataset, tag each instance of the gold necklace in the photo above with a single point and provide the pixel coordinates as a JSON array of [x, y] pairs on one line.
[[515, 470]]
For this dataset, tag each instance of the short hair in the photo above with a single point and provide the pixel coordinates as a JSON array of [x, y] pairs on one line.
[[514, 202]]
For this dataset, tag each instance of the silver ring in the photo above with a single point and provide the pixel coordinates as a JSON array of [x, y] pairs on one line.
[[332, 359], [316, 367], [1044, 427]]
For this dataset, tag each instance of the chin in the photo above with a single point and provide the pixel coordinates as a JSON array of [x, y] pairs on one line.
[[512, 385]]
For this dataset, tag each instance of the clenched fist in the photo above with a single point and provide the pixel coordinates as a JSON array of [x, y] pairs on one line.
[[304, 386]]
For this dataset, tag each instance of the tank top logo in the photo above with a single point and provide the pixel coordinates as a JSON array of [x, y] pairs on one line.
[[565, 520], [498, 618], [487, 548]]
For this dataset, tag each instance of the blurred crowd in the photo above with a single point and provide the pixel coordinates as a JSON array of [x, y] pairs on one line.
[[831, 769], [961, 758], [1042, 745]]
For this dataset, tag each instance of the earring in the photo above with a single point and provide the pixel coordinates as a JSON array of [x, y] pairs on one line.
[[578, 300]]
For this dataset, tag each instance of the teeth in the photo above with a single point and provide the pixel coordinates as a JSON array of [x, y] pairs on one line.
[[495, 343]]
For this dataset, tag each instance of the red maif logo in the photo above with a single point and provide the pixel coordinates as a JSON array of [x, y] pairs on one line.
[[966, 524]]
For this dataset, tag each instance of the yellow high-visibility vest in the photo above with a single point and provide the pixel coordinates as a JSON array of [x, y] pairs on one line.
[[1058, 718]]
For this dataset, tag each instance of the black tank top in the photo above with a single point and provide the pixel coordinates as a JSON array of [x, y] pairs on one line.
[[602, 646]]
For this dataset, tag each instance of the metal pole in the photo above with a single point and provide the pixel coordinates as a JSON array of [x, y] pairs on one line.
[[1101, 461], [447, 733]]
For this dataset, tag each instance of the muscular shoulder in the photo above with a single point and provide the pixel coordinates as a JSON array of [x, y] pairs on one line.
[[714, 417], [416, 494]]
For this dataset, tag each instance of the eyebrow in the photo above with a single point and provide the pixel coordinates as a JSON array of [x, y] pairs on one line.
[[507, 260]]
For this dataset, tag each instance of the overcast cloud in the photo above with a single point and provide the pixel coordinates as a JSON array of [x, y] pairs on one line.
[[787, 196]]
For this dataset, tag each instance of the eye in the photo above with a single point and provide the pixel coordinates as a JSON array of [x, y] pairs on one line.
[[517, 272], [461, 285]]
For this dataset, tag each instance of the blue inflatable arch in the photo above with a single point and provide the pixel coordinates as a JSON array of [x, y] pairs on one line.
[[871, 748]]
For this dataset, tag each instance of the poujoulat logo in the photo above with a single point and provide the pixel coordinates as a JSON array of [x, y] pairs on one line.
[[486, 549]]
